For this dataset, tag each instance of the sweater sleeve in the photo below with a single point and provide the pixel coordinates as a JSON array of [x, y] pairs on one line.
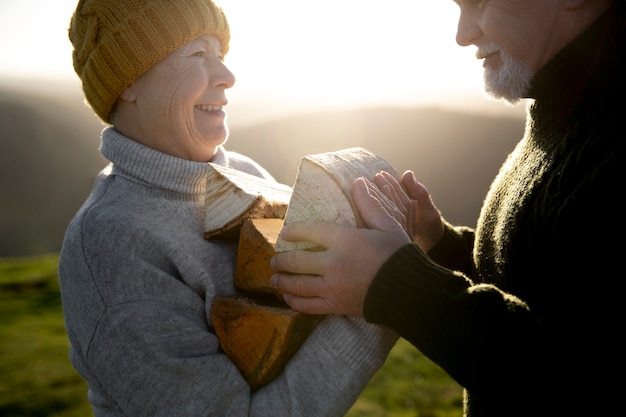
[[454, 250], [447, 317]]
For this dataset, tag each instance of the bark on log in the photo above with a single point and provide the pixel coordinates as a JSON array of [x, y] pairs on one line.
[[259, 338], [233, 196], [256, 248]]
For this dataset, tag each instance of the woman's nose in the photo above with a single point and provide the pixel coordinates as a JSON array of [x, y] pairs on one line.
[[221, 75]]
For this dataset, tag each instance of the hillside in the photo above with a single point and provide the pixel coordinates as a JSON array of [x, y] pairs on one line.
[[49, 157], [48, 161]]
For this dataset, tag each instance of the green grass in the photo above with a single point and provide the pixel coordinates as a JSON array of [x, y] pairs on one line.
[[409, 385], [38, 379]]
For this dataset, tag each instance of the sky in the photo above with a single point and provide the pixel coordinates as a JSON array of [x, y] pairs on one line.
[[324, 53]]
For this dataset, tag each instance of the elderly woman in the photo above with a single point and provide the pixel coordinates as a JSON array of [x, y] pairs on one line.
[[137, 276]]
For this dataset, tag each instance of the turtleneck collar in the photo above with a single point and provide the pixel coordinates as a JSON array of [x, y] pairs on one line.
[[140, 163]]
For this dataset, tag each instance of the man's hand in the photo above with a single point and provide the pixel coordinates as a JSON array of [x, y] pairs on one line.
[[424, 223], [335, 280]]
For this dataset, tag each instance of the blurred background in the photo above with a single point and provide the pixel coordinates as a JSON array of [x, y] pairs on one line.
[[312, 77]]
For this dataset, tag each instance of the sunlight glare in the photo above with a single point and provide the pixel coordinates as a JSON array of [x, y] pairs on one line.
[[33, 35], [328, 53], [345, 52]]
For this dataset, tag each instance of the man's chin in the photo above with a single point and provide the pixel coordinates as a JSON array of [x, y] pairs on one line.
[[504, 87], [501, 97]]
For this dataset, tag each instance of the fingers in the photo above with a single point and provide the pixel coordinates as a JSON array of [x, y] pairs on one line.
[[414, 188], [411, 220], [371, 209], [299, 285], [396, 193], [388, 198], [391, 200], [299, 262], [418, 192], [317, 232], [308, 305], [314, 295], [297, 291]]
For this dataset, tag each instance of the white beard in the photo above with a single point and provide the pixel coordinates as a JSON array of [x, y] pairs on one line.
[[510, 82]]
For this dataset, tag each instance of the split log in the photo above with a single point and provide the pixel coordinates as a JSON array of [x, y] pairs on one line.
[[259, 332], [256, 248], [233, 196], [259, 338], [322, 190]]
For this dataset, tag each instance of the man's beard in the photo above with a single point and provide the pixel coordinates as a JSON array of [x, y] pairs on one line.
[[510, 82]]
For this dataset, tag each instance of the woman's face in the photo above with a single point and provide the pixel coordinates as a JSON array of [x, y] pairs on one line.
[[176, 107]]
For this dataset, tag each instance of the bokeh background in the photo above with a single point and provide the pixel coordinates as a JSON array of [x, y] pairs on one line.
[[311, 77]]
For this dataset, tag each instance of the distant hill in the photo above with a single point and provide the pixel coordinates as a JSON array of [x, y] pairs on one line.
[[49, 157], [48, 161]]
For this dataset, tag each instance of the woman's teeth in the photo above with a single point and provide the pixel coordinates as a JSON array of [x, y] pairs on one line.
[[208, 107]]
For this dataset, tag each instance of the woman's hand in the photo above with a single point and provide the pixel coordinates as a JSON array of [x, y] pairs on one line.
[[335, 280]]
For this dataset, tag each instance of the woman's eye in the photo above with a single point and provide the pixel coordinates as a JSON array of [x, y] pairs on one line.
[[199, 54]]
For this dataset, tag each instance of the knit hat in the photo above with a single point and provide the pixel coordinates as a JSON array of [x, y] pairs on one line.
[[116, 41]]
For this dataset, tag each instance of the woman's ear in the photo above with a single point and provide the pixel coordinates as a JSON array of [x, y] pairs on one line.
[[128, 94]]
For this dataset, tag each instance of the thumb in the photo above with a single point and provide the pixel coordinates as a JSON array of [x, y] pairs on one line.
[[371, 209], [416, 190]]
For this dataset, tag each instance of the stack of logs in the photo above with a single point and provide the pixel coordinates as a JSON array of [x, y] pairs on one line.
[[258, 331]]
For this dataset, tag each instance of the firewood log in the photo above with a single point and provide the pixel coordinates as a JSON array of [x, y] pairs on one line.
[[259, 338], [322, 190], [256, 248], [259, 332], [233, 196]]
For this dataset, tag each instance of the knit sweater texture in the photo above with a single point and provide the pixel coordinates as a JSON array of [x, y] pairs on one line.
[[138, 280], [523, 310]]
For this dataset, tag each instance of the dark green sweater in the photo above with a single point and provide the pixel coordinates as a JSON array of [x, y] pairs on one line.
[[524, 311]]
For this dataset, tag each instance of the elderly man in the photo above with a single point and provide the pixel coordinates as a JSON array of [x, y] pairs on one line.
[[522, 309]]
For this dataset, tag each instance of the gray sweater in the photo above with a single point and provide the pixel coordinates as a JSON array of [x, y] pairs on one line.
[[137, 283]]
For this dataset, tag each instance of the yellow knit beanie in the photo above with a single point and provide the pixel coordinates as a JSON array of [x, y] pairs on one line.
[[116, 41]]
